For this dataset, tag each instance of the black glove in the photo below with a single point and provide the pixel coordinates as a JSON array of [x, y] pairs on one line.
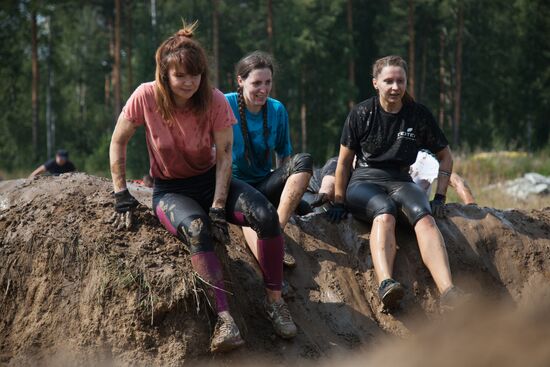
[[319, 199], [124, 205], [124, 201], [218, 225], [337, 212], [438, 206]]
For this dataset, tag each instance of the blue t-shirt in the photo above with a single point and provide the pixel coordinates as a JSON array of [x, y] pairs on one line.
[[278, 140]]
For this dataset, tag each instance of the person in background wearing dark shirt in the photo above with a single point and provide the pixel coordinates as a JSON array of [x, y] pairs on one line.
[[386, 132], [61, 164]]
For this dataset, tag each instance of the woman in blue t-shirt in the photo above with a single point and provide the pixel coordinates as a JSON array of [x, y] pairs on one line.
[[262, 128]]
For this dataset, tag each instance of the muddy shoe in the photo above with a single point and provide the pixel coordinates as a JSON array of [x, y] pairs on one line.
[[288, 259], [279, 315], [452, 298], [226, 335], [391, 293]]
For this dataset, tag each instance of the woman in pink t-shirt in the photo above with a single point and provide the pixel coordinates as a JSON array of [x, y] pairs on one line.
[[188, 127]]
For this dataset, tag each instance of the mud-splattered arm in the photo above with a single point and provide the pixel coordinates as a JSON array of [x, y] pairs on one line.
[[445, 159], [342, 174], [124, 130], [224, 145]]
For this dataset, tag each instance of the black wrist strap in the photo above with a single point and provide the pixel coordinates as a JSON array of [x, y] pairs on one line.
[[217, 210], [440, 197]]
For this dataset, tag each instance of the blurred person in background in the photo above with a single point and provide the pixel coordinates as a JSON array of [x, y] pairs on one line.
[[56, 166]]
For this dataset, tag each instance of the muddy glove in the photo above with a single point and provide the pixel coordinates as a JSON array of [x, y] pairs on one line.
[[319, 199], [336, 212], [438, 206], [218, 225], [124, 205]]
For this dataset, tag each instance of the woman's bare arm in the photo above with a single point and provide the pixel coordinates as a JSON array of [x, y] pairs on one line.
[[445, 159], [124, 130], [343, 169], [224, 145]]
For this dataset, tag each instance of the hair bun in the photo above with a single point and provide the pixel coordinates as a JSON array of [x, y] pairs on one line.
[[185, 32], [187, 29]]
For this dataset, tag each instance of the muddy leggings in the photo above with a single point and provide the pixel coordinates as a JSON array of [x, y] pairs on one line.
[[372, 192], [273, 184], [182, 207]]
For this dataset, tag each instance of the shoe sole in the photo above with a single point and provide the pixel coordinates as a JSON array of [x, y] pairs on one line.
[[227, 346], [290, 262], [393, 296], [286, 336]]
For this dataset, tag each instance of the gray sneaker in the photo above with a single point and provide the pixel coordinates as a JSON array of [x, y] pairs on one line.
[[226, 335], [279, 315]]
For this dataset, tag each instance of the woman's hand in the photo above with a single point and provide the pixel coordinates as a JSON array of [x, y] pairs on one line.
[[438, 206], [123, 217], [124, 201], [337, 212], [218, 225]]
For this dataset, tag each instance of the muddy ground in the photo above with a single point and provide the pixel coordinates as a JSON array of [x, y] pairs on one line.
[[75, 292]]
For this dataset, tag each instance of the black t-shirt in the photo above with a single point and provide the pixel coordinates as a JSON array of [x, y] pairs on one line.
[[390, 140], [56, 169]]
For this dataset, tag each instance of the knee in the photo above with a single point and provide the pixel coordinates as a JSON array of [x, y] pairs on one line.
[[302, 162], [426, 223], [265, 220], [385, 220], [194, 230]]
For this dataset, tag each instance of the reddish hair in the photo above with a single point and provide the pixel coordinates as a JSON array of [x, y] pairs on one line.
[[182, 49]]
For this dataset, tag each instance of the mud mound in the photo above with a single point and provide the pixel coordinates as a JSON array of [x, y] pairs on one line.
[[72, 289]]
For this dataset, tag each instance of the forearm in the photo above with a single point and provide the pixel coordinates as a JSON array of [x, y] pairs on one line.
[[38, 171], [223, 179], [462, 189], [117, 159], [327, 187], [445, 170], [341, 183]]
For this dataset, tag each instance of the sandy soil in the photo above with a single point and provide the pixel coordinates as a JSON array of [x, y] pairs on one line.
[[75, 292]]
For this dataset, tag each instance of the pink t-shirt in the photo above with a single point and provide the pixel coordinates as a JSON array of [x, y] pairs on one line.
[[186, 148]]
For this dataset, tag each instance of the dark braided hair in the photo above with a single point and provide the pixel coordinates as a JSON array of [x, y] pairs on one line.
[[252, 61]]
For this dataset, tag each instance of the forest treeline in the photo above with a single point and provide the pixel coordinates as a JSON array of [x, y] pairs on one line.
[[67, 67]]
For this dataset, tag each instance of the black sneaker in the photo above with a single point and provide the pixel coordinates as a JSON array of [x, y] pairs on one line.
[[391, 293]]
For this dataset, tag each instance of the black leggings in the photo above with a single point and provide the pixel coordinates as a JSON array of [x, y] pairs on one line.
[[273, 184], [182, 206], [372, 192]]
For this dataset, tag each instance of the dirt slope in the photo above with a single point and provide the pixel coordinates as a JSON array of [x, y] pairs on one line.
[[72, 291]]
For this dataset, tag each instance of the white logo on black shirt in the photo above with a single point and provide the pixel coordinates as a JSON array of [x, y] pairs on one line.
[[406, 134]]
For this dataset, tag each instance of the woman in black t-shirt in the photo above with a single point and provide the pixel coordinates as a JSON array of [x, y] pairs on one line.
[[385, 133]]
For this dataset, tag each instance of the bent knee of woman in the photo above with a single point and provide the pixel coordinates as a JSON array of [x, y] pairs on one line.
[[195, 231], [385, 219], [427, 222], [264, 220]]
